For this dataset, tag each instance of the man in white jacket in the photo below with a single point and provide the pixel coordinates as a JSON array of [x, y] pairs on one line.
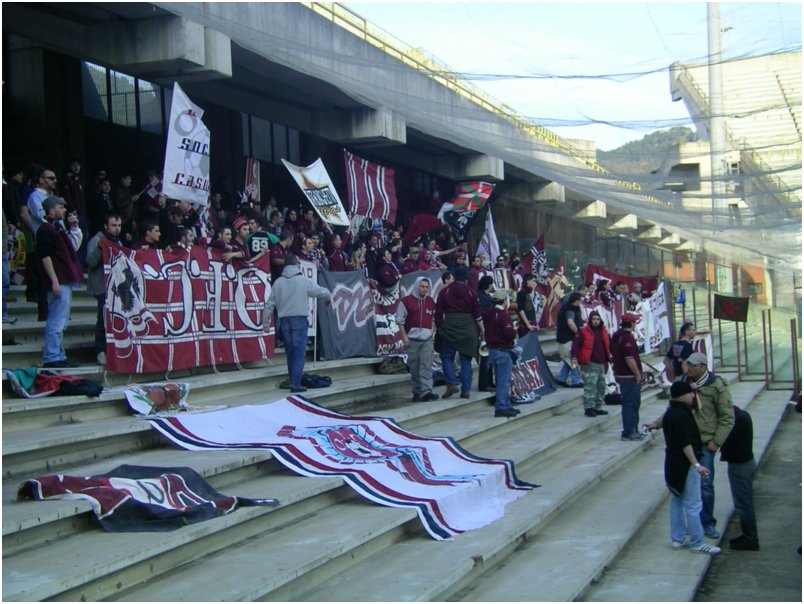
[[289, 296]]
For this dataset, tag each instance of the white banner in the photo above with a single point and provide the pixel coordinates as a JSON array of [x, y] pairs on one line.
[[654, 319], [488, 245], [315, 183], [186, 174]]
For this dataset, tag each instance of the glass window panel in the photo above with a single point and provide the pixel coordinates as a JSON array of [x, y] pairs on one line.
[[294, 146], [124, 109], [150, 107], [244, 122], [280, 142], [96, 101], [167, 100], [261, 139]]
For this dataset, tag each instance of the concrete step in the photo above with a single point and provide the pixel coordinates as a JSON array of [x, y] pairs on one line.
[[574, 549], [32, 331], [649, 570]]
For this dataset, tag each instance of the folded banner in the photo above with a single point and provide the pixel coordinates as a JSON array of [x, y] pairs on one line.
[[253, 179], [370, 188], [186, 174], [169, 310], [153, 399], [141, 498], [531, 374], [375, 456], [315, 183], [488, 245], [388, 336], [730, 308]]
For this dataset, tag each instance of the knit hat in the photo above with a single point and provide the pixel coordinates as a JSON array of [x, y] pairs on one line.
[[238, 222], [679, 389]]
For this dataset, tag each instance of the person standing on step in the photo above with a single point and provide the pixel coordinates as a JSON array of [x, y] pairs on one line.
[[96, 281], [414, 315], [738, 452], [485, 377], [675, 360], [591, 350], [500, 336], [568, 322], [683, 471], [57, 250], [525, 306], [459, 326], [289, 296], [628, 375]]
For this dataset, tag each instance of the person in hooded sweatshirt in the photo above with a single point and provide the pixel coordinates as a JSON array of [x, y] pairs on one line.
[[414, 316], [591, 351], [289, 296]]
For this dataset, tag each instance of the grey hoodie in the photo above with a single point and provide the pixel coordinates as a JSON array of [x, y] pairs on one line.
[[416, 333], [290, 293]]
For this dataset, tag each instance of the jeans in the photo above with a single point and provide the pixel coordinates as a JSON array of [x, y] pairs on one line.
[[741, 481], [58, 313], [708, 490], [100, 325], [294, 336], [420, 361], [503, 364], [447, 354], [6, 281], [594, 385], [631, 393], [685, 511], [564, 351]]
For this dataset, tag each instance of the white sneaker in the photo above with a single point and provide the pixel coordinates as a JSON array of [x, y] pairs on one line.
[[679, 544], [705, 548], [102, 358]]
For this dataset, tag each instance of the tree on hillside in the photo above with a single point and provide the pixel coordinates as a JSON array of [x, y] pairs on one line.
[[642, 156]]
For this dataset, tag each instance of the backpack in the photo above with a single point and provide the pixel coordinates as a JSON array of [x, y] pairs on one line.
[[392, 365], [310, 380]]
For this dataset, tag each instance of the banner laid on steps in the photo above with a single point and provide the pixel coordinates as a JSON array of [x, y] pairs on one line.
[[169, 310], [141, 498], [531, 374], [375, 456]]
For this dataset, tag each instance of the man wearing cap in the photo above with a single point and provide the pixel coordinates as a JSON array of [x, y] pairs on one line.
[[714, 416], [411, 262], [459, 327], [57, 250], [240, 250], [289, 296], [414, 315], [500, 336], [591, 350], [628, 375], [683, 471]]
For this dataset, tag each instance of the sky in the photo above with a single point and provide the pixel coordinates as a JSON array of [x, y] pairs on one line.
[[526, 53]]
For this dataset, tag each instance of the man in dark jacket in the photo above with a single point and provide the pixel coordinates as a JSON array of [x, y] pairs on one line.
[[414, 315], [590, 350], [500, 337], [96, 283], [738, 451], [568, 323], [628, 375], [683, 472]]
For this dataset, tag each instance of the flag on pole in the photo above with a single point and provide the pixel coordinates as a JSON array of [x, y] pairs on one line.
[[469, 198], [370, 188], [730, 308], [186, 174], [315, 183], [488, 245], [253, 178], [535, 261]]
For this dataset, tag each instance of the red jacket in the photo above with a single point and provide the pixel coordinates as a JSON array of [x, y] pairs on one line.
[[584, 342]]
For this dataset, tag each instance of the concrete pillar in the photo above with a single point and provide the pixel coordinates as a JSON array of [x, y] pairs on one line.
[[361, 126]]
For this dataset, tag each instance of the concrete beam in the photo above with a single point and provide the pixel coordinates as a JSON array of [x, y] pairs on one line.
[[688, 245], [627, 222], [653, 233], [596, 209], [529, 193], [672, 240], [363, 126]]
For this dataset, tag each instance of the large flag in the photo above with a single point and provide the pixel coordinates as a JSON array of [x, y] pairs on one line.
[[384, 463], [253, 178], [186, 174], [370, 188], [169, 310], [461, 211], [315, 183], [596, 273], [535, 261], [730, 308], [141, 498], [488, 245]]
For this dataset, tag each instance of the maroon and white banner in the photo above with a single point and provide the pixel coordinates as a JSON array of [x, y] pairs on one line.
[[186, 173], [168, 310], [370, 188], [389, 338], [596, 273], [253, 178]]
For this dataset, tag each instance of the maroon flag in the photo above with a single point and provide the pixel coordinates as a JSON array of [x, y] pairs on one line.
[[595, 273], [168, 310], [535, 261], [252, 178], [731, 309], [370, 188]]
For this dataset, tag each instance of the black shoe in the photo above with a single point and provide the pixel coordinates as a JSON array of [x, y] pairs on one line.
[[466, 395], [746, 546], [562, 384], [57, 364], [430, 396], [590, 413], [71, 363], [299, 389], [576, 385], [736, 539], [600, 412], [416, 398], [506, 412]]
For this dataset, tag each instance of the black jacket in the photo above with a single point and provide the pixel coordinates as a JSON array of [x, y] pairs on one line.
[[680, 430]]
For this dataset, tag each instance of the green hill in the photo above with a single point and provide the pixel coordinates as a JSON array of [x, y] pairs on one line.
[[645, 155]]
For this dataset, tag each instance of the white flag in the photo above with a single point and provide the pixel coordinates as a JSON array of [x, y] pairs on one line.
[[186, 174], [315, 183], [488, 245]]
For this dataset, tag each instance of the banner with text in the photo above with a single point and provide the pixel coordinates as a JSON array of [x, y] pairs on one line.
[[186, 174], [170, 310], [315, 183]]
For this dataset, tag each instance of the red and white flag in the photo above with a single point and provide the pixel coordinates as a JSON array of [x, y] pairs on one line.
[[370, 188], [253, 178]]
